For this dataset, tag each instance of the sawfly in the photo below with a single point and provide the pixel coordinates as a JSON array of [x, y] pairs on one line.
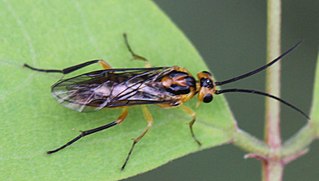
[[167, 87]]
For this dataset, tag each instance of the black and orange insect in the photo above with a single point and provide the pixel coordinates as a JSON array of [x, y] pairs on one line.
[[123, 87]]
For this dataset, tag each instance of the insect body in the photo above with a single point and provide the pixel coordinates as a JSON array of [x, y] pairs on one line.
[[164, 86], [169, 86]]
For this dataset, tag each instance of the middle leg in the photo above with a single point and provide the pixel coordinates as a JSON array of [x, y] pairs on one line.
[[149, 119]]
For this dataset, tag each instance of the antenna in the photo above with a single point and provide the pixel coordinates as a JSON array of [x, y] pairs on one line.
[[249, 91], [258, 69]]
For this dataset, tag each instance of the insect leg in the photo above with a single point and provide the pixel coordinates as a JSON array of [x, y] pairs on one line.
[[94, 130], [72, 68], [104, 64], [149, 119], [191, 123], [134, 55]]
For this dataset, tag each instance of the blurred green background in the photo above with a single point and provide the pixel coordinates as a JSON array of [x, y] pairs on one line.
[[231, 37]]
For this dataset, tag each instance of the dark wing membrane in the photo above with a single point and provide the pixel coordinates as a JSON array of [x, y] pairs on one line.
[[112, 88]]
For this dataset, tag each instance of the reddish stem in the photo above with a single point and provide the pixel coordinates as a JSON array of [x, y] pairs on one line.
[[273, 166]]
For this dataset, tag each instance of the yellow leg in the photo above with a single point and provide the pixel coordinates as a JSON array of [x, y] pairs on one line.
[[122, 116], [191, 123], [104, 64], [149, 119]]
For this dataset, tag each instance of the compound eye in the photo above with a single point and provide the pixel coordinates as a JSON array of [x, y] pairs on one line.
[[208, 98], [205, 72], [204, 82]]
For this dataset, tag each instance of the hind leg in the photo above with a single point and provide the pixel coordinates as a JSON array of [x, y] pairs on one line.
[[73, 68]]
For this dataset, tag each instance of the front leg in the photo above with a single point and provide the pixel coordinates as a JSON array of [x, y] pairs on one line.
[[192, 113], [134, 55]]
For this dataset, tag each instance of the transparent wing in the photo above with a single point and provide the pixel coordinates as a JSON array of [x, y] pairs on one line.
[[112, 88]]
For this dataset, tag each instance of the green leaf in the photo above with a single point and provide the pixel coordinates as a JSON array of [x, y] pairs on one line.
[[315, 103], [57, 34], [299, 143]]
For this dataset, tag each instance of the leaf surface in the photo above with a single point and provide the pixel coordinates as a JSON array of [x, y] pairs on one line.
[[58, 34], [315, 103]]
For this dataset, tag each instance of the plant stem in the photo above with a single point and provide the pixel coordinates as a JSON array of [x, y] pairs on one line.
[[275, 159], [250, 144], [273, 167], [300, 141]]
